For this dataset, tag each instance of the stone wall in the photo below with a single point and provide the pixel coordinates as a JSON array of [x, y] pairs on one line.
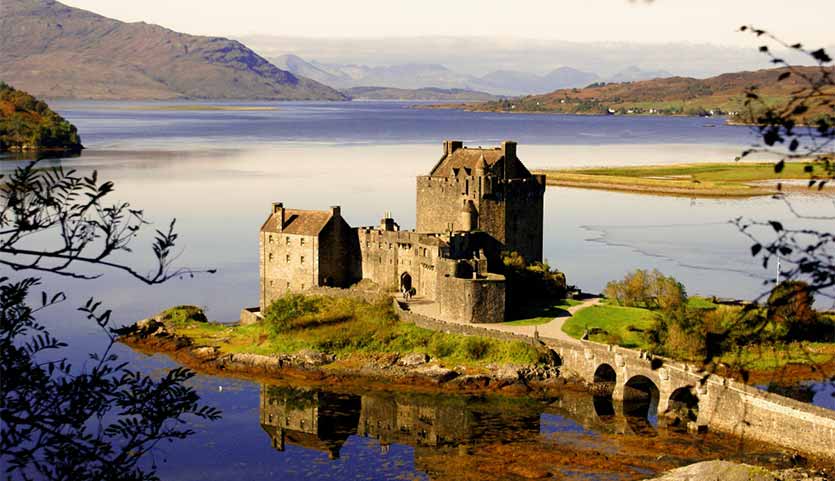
[[472, 300], [525, 216], [287, 263], [456, 328], [387, 255], [439, 203], [339, 254]]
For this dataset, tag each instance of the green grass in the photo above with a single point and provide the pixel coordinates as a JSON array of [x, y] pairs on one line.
[[715, 179], [345, 327], [699, 302], [538, 315], [619, 322]]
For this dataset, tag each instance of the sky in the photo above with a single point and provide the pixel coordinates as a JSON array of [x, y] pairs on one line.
[[658, 21]]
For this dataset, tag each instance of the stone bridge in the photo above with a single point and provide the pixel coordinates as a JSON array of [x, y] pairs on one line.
[[682, 394], [646, 386]]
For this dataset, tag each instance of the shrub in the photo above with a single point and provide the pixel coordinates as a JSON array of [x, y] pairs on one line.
[[476, 347], [287, 308], [790, 311], [530, 283], [649, 289]]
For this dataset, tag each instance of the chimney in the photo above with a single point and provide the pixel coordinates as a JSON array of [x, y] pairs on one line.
[[278, 210], [336, 211], [451, 146], [509, 149]]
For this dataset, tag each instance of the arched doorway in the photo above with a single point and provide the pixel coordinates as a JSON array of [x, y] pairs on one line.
[[405, 282], [640, 401], [604, 381], [683, 407]]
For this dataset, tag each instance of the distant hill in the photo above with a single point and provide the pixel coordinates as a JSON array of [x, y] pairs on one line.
[[635, 74], [425, 75], [431, 93], [28, 124], [57, 51], [722, 94], [513, 81]]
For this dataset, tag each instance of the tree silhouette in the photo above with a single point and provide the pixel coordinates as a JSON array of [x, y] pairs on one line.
[[99, 421]]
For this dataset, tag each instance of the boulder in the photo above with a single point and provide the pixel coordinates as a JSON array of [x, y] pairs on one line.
[[436, 373], [206, 352], [414, 359], [314, 358], [254, 360], [718, 471]]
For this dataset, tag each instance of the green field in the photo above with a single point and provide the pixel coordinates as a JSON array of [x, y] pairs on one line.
[[733, 179], [538, 315], [622, 324], [344, 328]]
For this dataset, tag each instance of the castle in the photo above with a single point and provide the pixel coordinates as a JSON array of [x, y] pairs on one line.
[[474, 204]]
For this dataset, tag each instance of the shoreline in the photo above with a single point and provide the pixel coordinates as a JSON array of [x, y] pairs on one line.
[[707, 180]]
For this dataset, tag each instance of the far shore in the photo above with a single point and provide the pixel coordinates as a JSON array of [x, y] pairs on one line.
[[729, 179]]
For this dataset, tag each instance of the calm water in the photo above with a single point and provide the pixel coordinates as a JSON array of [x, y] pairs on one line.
[[216, 172]]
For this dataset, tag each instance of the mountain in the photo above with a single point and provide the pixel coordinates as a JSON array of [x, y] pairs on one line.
[[634, 74], [28, 124], [427, 75], [522, 82], [429, 93], [664, 96], [57, 51], [568, 77]]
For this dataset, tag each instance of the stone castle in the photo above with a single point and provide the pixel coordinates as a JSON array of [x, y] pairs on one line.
[[474, 204]]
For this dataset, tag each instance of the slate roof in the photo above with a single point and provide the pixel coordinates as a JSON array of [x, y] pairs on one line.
[[467, 158], [300, 222]]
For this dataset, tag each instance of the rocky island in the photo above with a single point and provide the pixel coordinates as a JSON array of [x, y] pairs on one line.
[[28, 124]]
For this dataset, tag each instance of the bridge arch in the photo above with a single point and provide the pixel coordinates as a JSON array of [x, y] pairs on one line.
[[640, 398], [604, 381], [682, 407]]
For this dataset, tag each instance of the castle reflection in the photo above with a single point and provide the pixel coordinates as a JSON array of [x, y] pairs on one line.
[[323, 421]]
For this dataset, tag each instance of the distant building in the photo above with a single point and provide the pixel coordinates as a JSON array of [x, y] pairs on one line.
[[474, 204]]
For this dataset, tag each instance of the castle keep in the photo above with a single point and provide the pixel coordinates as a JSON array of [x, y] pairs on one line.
[[474, 204]]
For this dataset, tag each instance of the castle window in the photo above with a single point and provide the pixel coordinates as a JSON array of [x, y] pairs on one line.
[[287, 258], [301, 241], [270, 257], [302, 289], [270, 238], [271, 282], [288, 285], [302, 259], [288, 240]]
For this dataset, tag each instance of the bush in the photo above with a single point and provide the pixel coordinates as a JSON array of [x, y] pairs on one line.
[[790, 311], [476, 347], [530, 283], [287, 308], [649, 289]]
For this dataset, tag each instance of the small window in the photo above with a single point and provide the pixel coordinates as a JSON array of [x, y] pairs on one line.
[[287, 258], [288, 240], [270, 257], [302, 289], [301, 241], [271, 238], [288, 285], [271, 282], [302, 259]]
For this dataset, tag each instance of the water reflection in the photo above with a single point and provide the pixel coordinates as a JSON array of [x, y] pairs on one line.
[[464, 437], [323, 421]]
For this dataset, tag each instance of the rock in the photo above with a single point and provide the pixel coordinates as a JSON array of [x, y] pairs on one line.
[[254, 360], [508, 373], [718, 471], [473, 381], [314, 358], [206, 352], [413, 359], [529, 472], [436, 373]]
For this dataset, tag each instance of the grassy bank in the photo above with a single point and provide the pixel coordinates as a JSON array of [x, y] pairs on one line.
[[732, 179], [537, 315], [629, 326], [344, 328]]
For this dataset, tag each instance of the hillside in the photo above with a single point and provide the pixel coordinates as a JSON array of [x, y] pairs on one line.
[[57, 51], [722, 94], [430, 93], [28, 124]]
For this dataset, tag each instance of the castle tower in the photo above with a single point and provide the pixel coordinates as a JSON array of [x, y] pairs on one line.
[[500, 195]]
